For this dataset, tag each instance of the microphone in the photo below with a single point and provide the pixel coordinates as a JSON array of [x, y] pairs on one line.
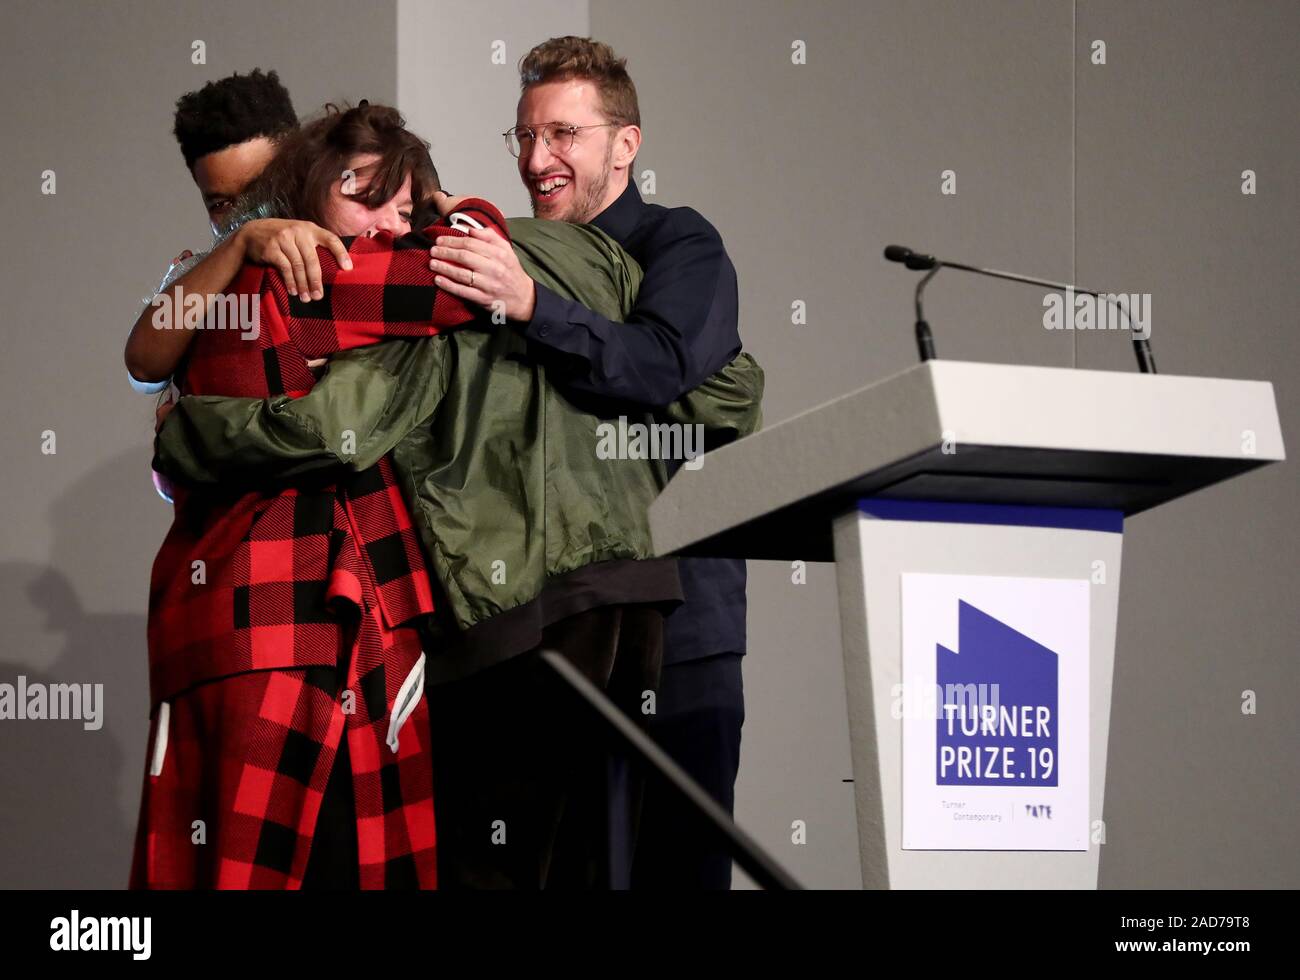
[[903, 254], [914, 261], [931, 266]]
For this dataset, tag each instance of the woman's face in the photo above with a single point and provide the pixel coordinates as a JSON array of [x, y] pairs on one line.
[[345, 216]]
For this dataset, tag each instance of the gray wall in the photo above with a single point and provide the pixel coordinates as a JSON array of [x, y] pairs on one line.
[[1199, 794], [460, 94], [1125, 175]]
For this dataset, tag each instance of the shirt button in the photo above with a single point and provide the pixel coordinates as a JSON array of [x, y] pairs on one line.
[[543, 330]]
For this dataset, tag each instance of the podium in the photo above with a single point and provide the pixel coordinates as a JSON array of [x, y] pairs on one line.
[[975, 515]]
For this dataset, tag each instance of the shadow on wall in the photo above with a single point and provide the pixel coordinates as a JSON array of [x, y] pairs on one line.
[[67, 814]]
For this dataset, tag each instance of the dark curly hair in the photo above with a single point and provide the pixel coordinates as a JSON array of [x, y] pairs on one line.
[[230, 111], [310, 161]]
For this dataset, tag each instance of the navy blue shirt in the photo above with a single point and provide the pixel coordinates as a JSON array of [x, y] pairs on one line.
[[683, 328]]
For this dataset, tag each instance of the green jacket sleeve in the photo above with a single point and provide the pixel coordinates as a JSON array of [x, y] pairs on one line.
[[367, 401], [728, 404]]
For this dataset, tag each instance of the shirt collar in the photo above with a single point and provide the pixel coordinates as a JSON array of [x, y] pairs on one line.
[[620, 219]]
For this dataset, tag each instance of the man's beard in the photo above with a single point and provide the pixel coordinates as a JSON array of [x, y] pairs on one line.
[[586, 202]]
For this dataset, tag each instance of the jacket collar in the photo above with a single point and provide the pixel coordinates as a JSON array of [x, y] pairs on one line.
[[620, 219]]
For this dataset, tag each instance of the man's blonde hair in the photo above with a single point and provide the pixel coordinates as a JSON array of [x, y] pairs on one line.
[[563, 58]]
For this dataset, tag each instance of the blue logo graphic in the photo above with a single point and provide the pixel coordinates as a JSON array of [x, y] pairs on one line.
[[1009, 739]]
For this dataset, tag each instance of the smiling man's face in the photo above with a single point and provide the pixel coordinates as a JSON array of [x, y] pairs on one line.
[[578, 183]]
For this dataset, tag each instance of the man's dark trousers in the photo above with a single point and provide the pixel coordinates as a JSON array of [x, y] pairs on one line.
[[700, 711], [522, 771]]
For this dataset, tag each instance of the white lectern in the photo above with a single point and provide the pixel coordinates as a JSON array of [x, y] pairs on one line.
[[974, 513]]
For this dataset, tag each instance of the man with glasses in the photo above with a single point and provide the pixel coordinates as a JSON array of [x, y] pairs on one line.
[[576, 138]]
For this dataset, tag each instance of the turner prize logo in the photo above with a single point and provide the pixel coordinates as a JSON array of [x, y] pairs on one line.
[[1013, 742]]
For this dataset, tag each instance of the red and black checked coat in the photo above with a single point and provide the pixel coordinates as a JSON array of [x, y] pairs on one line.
[[273, 561], [291, 582], [238, 768]]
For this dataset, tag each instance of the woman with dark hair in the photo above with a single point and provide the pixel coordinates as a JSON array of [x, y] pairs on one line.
[[289, 742]]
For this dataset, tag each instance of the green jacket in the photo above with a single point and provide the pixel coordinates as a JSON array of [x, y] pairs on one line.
[[500, 466]]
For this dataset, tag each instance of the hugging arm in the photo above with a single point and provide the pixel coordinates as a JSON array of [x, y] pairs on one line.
[[387, 291], [153, 351], [728, 403], [371, 396], [368, 400], [681, 328]]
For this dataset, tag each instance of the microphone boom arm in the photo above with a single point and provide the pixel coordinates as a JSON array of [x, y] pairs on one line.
[[924, 339]]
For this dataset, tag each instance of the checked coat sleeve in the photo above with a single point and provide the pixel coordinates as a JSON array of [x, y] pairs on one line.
[[389, 292]]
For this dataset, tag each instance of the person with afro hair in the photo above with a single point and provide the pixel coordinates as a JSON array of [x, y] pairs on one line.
[[227, 132]]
